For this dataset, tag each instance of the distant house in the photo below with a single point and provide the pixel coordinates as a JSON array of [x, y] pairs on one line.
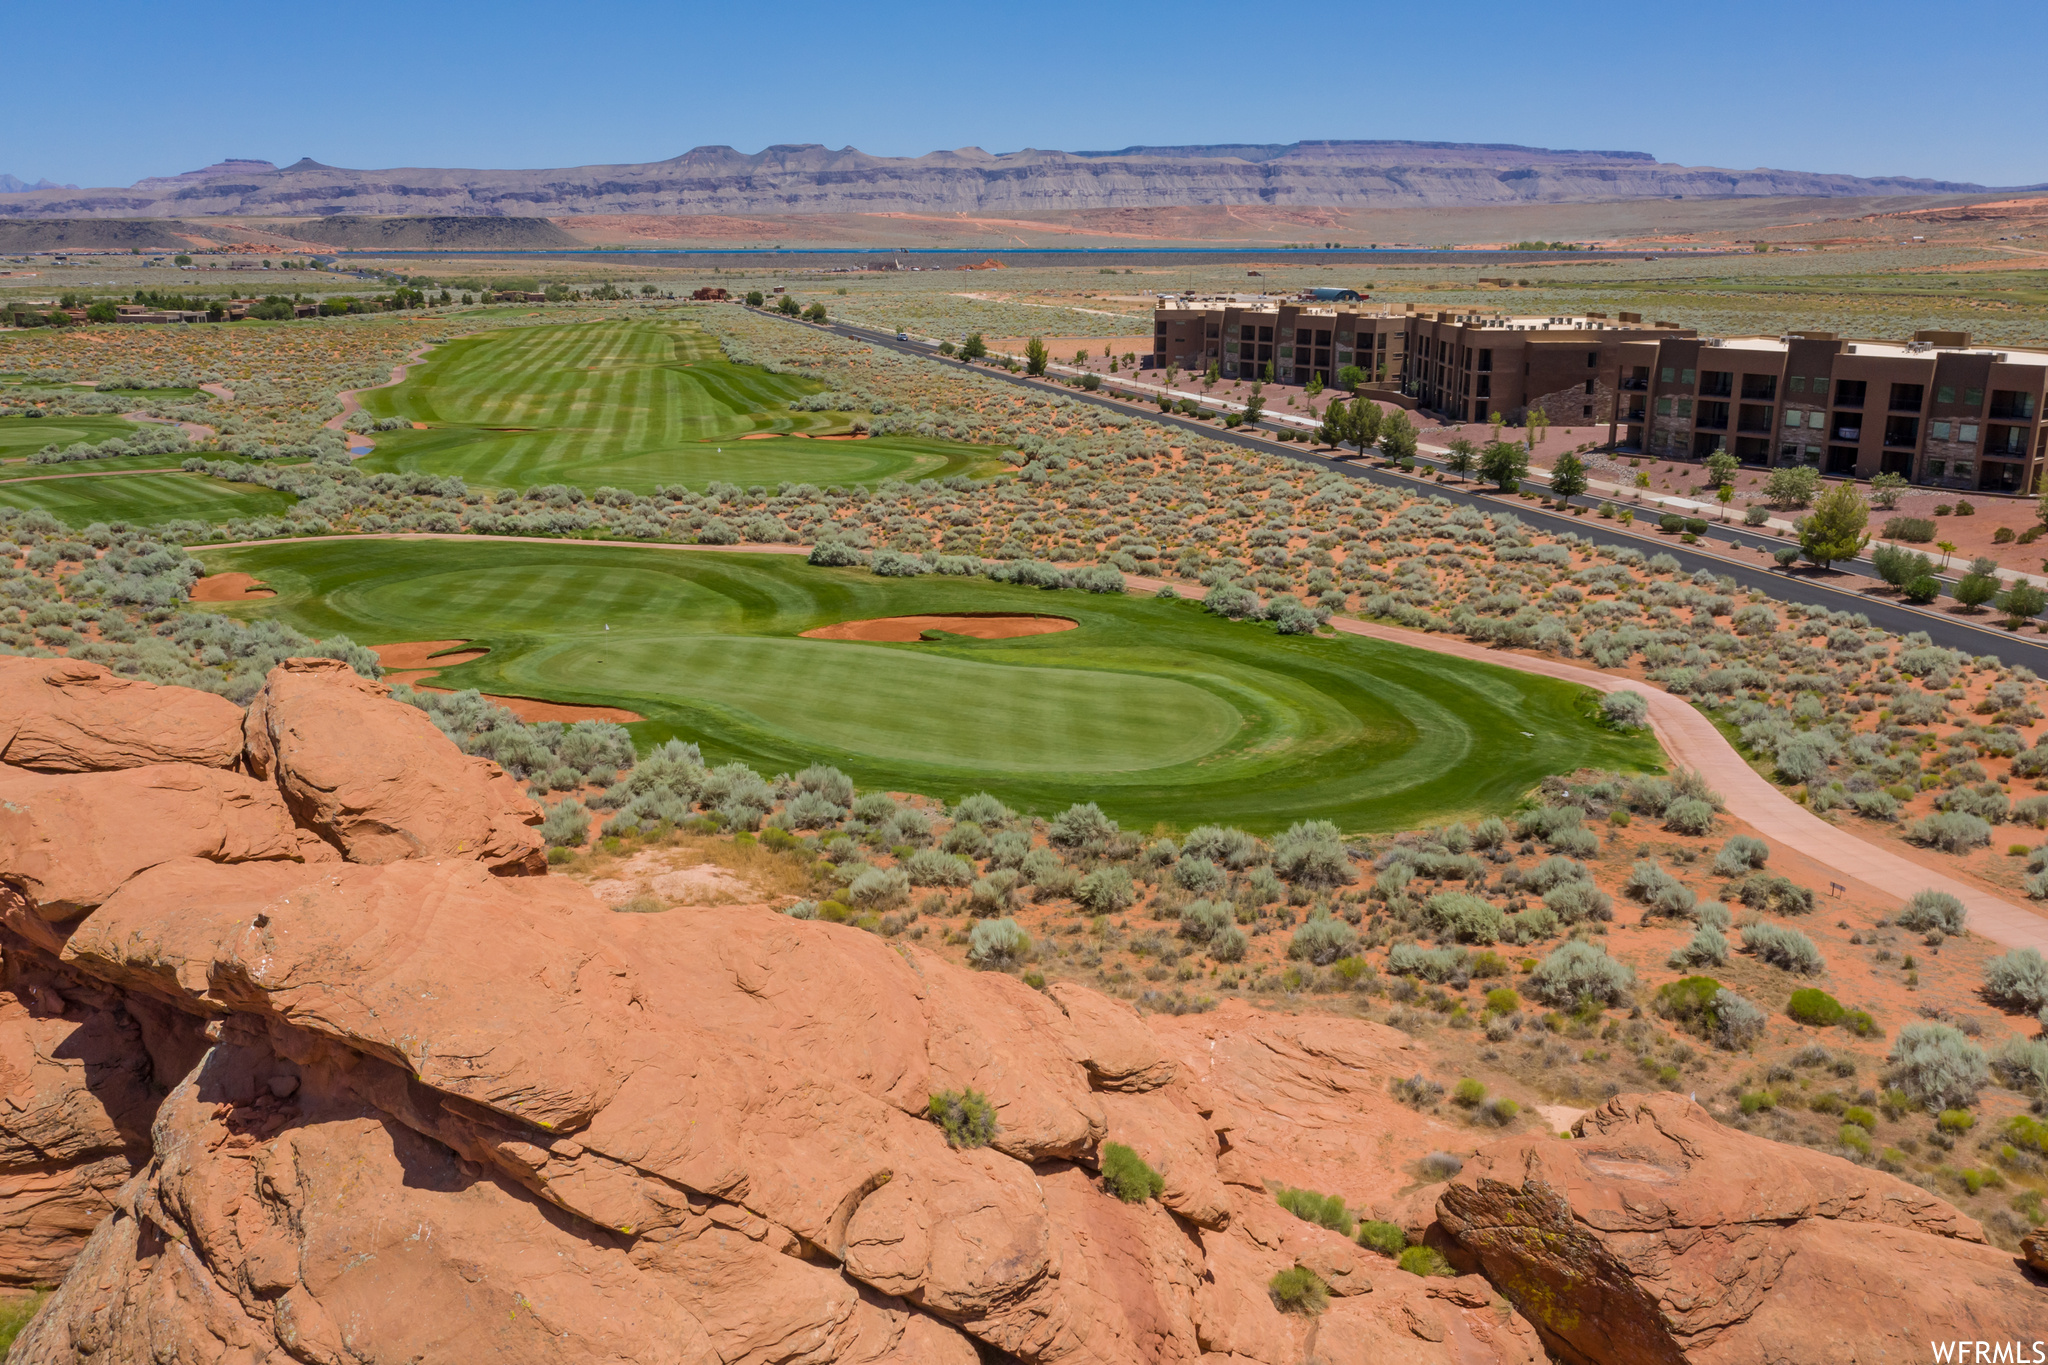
[[710, 293], [1334, 295]]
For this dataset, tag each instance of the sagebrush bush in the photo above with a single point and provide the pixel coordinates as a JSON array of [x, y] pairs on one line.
[[1706, 948], [1125, 1175], [929, 867], [1579, 903], [1462, 917], [1579, 972], [1926, 910], [1950, 831], [1659, 892], [1080, 825], [1228, 944], [2022, 1063], [1431, 964], [2018, 979], [1689, 816], [1786, 949], [1741, 854], [1737, 1023], [1222, 845], [966, 1116], [567, 824], [1938, 1067], [1322, 940], [1311, 854], [998, 944], [981, 808], [1106, 890]]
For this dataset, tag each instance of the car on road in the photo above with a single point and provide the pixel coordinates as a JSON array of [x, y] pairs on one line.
[[903, 336]]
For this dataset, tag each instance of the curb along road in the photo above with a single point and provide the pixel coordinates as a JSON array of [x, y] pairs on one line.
[[1948, 631]]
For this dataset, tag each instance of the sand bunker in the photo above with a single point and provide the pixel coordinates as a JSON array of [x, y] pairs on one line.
[[229, 587], [413, 662], [980, 625]]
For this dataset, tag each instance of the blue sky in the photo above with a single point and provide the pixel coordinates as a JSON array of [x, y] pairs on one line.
[[1944, 91]]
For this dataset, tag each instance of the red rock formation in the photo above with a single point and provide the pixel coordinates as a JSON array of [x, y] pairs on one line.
[[1660, 1236], [400, 1108], [377, 780], [70, 716]]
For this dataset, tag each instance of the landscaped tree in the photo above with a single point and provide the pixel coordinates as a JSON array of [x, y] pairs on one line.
[[1397, 436], [1254, 404], [815, 313], [1974, 589], [2021, 603], [1314, 385], [974, 348], [1266, 375], [1365, 424], [1792, 486], [788, 306], [1536, 423], [1496, 421], [1463, 458], [1336, 427], [1947, 548], [1350, 378], [1081, 356], [1504, 462], [103, 311], [1215, 372], [1721, 467], [1035, 356], [1568, 477], [1835, 530], [1886, 489]]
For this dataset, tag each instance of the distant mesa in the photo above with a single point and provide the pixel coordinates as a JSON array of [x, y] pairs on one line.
[[14, 184], [809, 178]]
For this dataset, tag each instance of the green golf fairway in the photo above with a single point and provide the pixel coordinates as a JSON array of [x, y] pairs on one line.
[[21, 437], [1161, 713], [143, 499], [631, 405]]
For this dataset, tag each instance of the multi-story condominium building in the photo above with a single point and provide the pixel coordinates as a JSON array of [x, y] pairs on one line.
[[1935, 409]]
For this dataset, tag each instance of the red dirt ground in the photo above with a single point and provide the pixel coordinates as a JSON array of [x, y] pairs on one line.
[[229, 587]]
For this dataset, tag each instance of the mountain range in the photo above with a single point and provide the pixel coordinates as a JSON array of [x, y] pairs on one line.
[[14, 184], [810, 178]]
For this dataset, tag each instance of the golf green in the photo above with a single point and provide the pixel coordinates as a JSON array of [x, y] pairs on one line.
[[142, 499], [21, 437], [1158, 711], [632, 405]]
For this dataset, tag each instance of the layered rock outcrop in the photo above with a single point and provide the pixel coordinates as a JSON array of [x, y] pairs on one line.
[[1660, 1236], [319, 1084]]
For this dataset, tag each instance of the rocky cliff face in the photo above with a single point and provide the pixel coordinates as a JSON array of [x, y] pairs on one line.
[[814, 179], [297, 1065]]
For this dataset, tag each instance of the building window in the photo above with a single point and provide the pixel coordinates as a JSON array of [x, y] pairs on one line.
[[1799, 383], [1663, 407], [1967, 433], [1816, 420], [1592, 359], [1343, 338], [1973, 398], [1485, 360], [1820, 385], [1791, 417], [1787, 454], [1586, 410], [1685, 407], [1964, 469], [1937, 468], [1939, 430], [1589, 387], [1945, 394], [1669, 377], [1685, 377]]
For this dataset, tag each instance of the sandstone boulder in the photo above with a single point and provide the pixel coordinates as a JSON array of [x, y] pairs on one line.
[[375, 777], [1658, 1235], [71, 716], [1110, 1039], [69, 840]]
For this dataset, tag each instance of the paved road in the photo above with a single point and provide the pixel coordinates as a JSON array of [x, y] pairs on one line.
[[1980, 636]]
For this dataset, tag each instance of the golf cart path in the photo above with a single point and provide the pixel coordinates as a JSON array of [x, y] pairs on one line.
[[351, 404], [1693, 742], [1688, 737]]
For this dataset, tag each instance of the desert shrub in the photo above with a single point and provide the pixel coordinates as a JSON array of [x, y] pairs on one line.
[[567, 824], [1322, 940], [1228, 944], [1706, 948], [1198, 875], [1911, 530], [827, 783], [966, 1116], [1106, 890], [879, 888], [1440, 1166], [907, 826], [1492, 832], [1688, 1001], [1579, 972], [1711, 915], [1741, 854], [811, 810], [1417, 1091], [1009, 848], [1787, 949], [1812, 1005], [967, 839], [1199, 920], [1324, 1210], [1462, 917], [1080, 825], [1688, 816], [1222, 845], [1261, 887], [2022, 1063], [1385, 1238], [2018, 979], [1427, 1262], [1553, 872], [1926, 910], [1431, 964], [1951, 831], [1125, 1175], [993, 895], [1043, 869], [1659, 891], [929, 867], [1311, 854], [1779, 895], [874, 808], [1578, 903], [1737, 1023], [1299, 1290], [1936, 1066], [981, 808], [1530, 926], [1626, 709], [997, 944]]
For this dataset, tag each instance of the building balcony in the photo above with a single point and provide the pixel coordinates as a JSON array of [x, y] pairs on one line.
[[1635, 385]]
